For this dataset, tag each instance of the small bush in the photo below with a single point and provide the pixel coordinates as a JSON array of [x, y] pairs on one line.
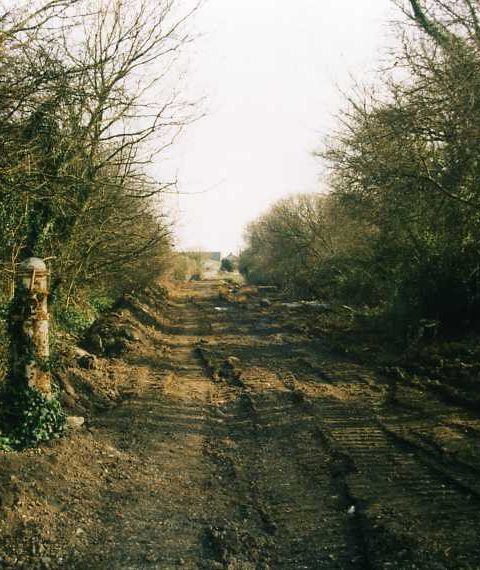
[[227, 265]]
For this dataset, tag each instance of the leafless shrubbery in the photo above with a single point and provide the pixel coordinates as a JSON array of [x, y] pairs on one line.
[[405, 167], [87, 100], [310, 245], [188, 265]]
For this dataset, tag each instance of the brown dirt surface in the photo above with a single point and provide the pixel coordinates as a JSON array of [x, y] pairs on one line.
[[221, 438]]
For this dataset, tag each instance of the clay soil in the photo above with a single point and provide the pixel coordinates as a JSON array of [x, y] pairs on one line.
[[223, 439]]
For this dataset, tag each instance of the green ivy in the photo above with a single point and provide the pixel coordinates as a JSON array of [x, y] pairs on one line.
[[73, 320], [33, 418], [100, 302], [28, 416]]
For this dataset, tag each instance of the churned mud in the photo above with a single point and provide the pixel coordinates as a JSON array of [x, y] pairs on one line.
[[240, 445]]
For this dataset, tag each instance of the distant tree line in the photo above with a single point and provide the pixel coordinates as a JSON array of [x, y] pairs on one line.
[[400, 227]]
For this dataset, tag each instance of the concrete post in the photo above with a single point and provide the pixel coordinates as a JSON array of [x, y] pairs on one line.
[[31, 350]]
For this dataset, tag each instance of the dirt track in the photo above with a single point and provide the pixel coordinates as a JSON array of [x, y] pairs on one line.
[[254, 448]]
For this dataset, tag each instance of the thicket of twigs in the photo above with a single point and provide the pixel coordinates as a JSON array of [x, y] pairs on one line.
[[87, 100], [400, 228]]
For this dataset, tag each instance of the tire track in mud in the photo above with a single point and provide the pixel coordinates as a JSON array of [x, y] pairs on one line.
[[241, 536], [312, 507], [275, 456], [155, 506], [411, 505], [288, 485], [413, 513], [160, 503]]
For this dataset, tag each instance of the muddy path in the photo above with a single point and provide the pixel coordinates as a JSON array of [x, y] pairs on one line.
[[251, 447]]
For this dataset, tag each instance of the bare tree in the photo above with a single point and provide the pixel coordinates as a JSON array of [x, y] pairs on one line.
[[90, 101], [407, 162]]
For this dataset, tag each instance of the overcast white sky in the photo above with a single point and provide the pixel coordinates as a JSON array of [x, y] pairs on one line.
[[271, 72]]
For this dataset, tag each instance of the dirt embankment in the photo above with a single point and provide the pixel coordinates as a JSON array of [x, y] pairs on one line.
[[234, 441]]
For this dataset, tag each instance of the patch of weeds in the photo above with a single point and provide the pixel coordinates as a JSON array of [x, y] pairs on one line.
[[100, 302], [73, 320]]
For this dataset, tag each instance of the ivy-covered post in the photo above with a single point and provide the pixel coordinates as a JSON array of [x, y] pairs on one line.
[[29, 326]]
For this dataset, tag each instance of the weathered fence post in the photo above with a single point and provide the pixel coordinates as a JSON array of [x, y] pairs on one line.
[[29, 325]]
